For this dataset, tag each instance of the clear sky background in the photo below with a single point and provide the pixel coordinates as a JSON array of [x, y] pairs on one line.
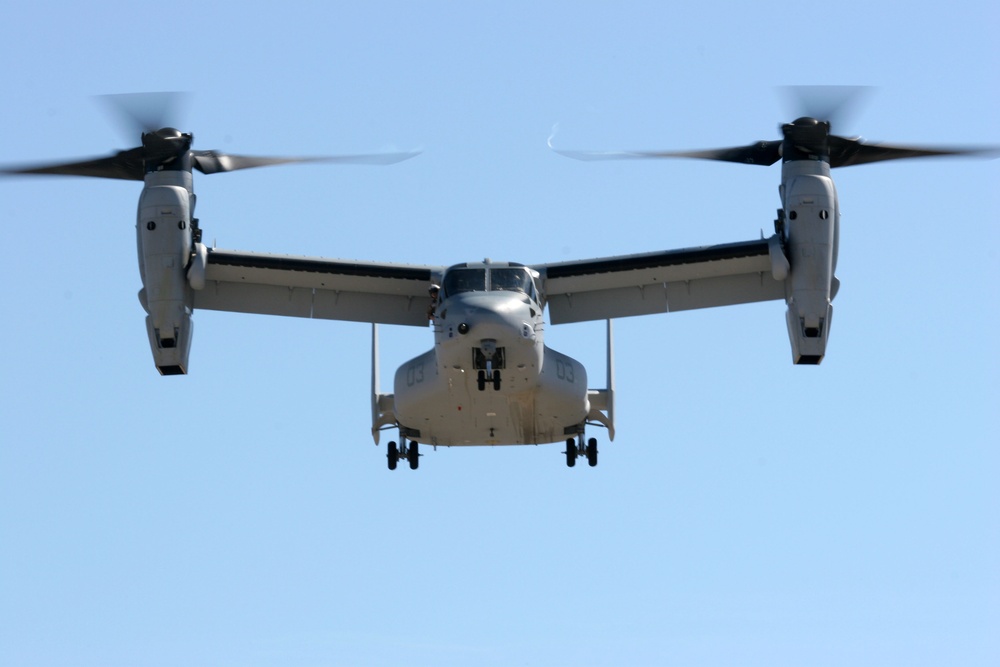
[[749, 512]]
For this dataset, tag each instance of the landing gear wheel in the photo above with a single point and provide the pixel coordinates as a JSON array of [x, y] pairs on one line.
[[571, 452], [481, 380], [496, 380], [413, 455], [592, 452], [393, 455]]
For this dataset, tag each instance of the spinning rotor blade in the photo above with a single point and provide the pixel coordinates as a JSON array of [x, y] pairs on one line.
[[130, 164], [371, 158], [126, 165], [141, 113], [164, 147], [214, 162], [762, 152], [847, 152], [807, 138], [834, 104]]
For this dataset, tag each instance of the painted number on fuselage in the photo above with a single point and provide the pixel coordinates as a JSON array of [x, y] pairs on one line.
[[564, 370], [414, 374]]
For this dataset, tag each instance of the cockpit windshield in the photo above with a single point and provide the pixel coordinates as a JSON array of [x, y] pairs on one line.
[[506, 279], [464, 280], [511, 280]]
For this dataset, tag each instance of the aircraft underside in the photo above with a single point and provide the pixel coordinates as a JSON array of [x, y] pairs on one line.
[[445, 406]]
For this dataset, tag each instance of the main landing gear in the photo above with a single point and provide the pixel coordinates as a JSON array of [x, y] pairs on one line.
[[574, 451], [410, 452]]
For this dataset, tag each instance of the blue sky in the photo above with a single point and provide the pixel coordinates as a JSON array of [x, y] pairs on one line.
[[749, 511]]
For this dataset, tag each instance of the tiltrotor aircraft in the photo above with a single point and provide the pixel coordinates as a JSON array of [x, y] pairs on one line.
[[489, 379]]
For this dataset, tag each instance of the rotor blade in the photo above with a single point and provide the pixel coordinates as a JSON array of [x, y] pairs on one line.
[[145, 112], [126, 165], [371, 158], [835, 104], [590, 156], [214, 162], [762, 153], [846, 152]]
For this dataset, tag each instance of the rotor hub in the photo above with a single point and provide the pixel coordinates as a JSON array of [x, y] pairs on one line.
[[168, 133]]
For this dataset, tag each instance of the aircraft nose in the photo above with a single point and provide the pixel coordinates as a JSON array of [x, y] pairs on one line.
[[488, 317]]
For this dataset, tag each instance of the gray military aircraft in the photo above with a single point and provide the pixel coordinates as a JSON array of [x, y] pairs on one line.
[[489, 379]]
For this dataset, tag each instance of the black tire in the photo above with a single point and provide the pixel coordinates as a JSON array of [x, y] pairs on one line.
[[496, 380], [570, 452], [392, 455], [592, 452], [413, 455], [481, 380]]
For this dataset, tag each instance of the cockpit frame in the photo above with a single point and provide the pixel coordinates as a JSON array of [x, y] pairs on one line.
[[490, 277]]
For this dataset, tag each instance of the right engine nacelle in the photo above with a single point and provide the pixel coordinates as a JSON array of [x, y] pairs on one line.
[[164, 240], [810, 232]]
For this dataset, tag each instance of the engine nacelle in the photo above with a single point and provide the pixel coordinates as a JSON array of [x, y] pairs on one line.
[[164, 238], [811, 231]]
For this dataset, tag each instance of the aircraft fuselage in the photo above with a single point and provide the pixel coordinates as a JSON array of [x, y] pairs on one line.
[[490, 379]]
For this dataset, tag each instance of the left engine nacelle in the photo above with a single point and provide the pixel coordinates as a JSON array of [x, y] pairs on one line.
[[164, 239], [811, 236]]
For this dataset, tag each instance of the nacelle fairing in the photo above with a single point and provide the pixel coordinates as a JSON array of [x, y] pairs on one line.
[[811, 229], [164, 239]]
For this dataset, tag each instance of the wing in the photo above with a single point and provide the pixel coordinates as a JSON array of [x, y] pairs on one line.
[[270, 284], [662, 282]]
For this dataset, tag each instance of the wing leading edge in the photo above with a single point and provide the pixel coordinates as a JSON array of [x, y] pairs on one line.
[[668, 281], [270, 284], [576, 291]]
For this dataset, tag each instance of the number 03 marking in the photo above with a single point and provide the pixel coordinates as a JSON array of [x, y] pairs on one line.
[[414, 374], [564, 370]]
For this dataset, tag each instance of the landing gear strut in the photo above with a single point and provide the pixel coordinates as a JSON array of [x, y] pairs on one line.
[[410, 452], [482, 378], [574, 451], [571, 452], [489, 359]]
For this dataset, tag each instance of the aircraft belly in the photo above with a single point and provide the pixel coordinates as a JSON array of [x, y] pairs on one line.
[[447, 408]]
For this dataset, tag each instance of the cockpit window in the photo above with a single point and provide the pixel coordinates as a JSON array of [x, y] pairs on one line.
[[464, 280], [512, 280]]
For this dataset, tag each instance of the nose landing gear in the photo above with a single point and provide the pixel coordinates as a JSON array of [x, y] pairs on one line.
[[488, 359], [494, 378]]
